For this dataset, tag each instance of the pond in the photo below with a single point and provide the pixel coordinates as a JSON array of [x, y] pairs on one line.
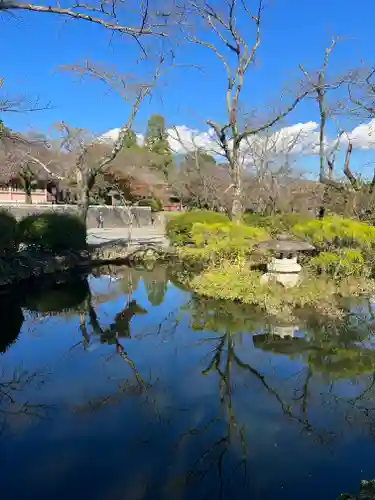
[[122, 385]]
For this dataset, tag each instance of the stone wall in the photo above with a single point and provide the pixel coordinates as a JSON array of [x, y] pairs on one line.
[[112, 216]]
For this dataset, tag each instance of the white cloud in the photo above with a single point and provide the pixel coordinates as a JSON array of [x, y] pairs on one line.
[[300, 138], [363, 136], [112, 135], [140, 139], [183, 139]]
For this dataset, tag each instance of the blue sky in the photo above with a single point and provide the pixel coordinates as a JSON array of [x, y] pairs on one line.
[[294, 31]]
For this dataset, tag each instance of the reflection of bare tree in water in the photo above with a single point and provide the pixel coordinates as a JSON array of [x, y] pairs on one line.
[[214, 456], [15, 406], [118, 329], [297, 396]]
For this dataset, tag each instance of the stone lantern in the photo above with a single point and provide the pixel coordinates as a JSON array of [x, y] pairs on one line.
[[284, 267]]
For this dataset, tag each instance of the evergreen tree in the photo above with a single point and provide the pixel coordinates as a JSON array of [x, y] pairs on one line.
[[157, 142], [130, 139]]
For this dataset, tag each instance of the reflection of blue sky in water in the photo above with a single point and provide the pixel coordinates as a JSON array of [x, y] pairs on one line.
[[102, 439]]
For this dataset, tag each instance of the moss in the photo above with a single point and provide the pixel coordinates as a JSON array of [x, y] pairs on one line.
[[236, 283]]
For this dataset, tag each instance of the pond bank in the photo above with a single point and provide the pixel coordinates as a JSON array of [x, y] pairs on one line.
[[28, 265]]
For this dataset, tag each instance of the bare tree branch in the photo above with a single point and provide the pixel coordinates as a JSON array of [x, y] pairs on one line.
[[237, 55], [143, 29]]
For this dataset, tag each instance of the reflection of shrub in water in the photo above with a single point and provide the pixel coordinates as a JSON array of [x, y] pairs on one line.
[[11, 321], [223, 316], [58, 297]]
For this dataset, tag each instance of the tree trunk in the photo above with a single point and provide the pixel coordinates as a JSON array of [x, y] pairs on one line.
[[236, 211], [83, 203], [322, 157], [83, 197], [85, 183], [27, 189]]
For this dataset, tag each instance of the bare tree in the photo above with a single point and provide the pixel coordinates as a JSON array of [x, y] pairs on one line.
[[27, 159], [199, 180], [19, 103], [222, 20], [134, 19], [138, 21], [270, 161], [23, 157], [327, 153], [9, 139], [362, 96], [91, 156]]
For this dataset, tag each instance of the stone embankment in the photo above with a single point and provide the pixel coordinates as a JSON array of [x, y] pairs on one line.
[[113, 217], [32, 264]]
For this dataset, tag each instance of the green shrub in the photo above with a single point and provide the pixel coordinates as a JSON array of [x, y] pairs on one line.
[[154, 203], [179, 228], [53, 232], [220, 234], [226, 241], [336, 232], [275, 224], [344, 263], [8, 234]]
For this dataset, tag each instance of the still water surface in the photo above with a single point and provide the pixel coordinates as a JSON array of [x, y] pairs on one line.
[[122, 385]]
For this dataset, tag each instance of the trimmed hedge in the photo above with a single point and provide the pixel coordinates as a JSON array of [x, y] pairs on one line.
[[53, 232], [9, 239], [179, 228], [275, 224], [337, 232]]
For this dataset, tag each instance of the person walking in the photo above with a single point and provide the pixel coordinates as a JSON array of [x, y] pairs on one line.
[[100, 219]]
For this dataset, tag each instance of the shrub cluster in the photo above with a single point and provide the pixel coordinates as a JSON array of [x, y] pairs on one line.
[[336, 232], [231, 282], [346, 262], [275, 224], [179, 228], [52, 231], [226, 241], [207, 237], [346, 245], [9, 237]]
